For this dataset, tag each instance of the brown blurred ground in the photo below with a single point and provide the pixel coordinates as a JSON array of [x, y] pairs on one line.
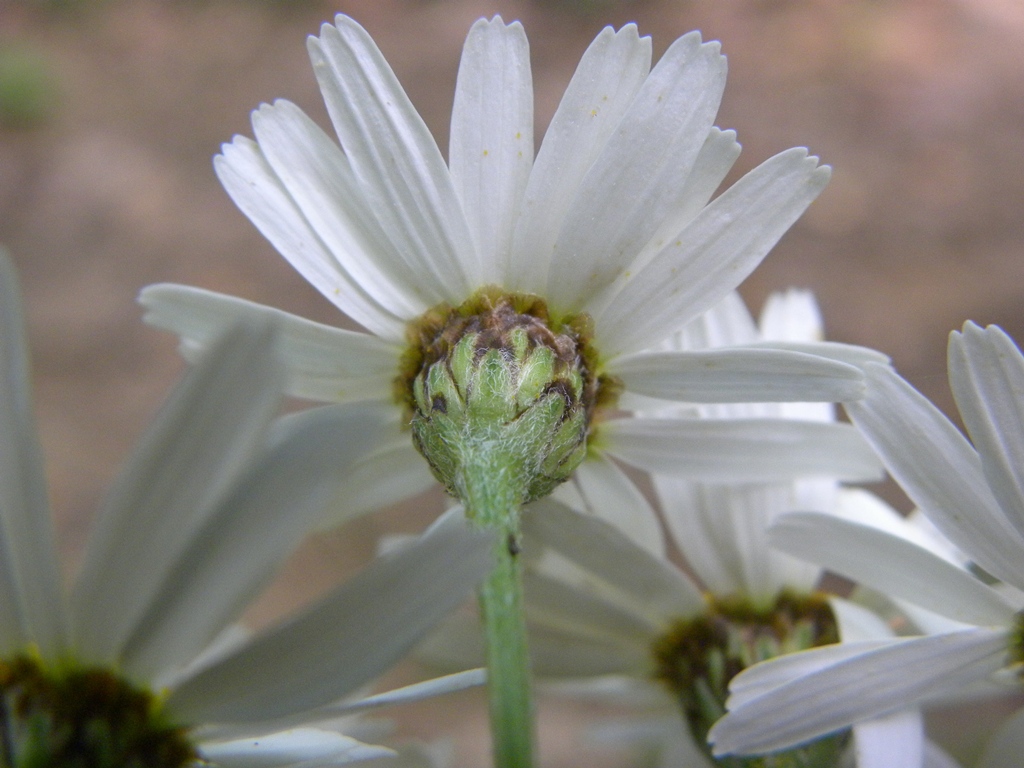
[[918, 105]]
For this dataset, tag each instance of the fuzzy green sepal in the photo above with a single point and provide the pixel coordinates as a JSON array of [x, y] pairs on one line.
[[503, 395]]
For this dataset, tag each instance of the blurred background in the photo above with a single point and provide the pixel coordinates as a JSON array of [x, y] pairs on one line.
[[111, 111]]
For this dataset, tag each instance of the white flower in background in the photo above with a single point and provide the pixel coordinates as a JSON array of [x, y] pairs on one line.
[[593, 252], [974, 495], [133, 666]]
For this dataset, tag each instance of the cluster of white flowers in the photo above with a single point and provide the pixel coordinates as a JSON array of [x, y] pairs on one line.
[[533, 322]]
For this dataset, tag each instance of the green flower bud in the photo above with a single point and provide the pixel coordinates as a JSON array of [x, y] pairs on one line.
[[493, 379], [698, 657]]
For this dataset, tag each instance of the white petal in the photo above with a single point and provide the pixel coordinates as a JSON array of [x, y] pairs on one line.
[[323, 363], [259, 194], [491, 146], [345, 640], [713, 163], [851, 354], [720, 530], [986, 373], [890, 741], [791, 315], [761, 679], [857, 623], [1005, 747], [191, 454], [634, 184], [939, 470], [875, 683], [891, 565], [658, 590], [31, 601], [728, 323], [233, 556], [319, 179], [437, 686], [395, 159], [863, 507], [738, 375], [585, 613], [606, 80], [712, 255], [394, 473], [556, 654], [740, 450], [611, 496], [286, 748]]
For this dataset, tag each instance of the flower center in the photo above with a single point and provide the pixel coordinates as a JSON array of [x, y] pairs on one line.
[[698, 657], [499, 369], [83, 718]]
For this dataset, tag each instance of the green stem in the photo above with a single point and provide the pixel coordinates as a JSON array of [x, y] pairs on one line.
[[492, 495]]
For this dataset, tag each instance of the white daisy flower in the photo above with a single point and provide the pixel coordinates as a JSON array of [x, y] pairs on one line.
[[132, 667], [596, 250], [974, 495]]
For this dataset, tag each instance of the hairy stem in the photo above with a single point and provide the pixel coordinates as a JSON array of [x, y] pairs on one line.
[[492, 494]]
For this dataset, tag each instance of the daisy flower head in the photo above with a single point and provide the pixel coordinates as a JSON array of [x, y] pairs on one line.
[[135, 665], [503, 292], [973, 493]]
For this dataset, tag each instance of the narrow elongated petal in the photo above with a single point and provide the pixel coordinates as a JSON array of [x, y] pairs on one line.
[[191, 454], [740, 450], [606, 80], [873, 684], [896, 739], [720, 530], [610, 495], [31, 602], [301, 746], [322, 362], [259, 194], [850, 354], [491, 147], [891, 565], [761, 679], [319, 178], [716, 158], [557, 606], [395, 159], [634, 184], [939, 470], [232, 557], [856, 623], [712, 255], [394, 473], [986, 374], [658, 590], [739, 376], [345, 640], [437, 686], [555, 654]]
